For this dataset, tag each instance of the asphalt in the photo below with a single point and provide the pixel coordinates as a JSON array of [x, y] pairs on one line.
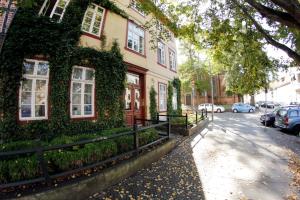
[[235, 157]]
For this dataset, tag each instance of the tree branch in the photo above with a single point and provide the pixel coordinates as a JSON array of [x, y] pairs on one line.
[[275, 15], [291, 6], [290, 52]]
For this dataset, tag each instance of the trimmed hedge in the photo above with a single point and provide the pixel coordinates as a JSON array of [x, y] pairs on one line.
[[22, 168]]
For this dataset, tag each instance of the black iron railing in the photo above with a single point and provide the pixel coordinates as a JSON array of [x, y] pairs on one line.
[[43, 165], [199, 115]]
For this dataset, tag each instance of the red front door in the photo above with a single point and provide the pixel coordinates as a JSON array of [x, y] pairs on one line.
[[134, 100]]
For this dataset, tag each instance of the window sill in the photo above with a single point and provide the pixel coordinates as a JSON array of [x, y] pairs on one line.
[[137, 53], [173, 70], [91, 35], [163, 65], [75, 118]]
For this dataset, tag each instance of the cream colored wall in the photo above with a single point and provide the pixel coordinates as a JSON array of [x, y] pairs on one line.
[[115, 28]]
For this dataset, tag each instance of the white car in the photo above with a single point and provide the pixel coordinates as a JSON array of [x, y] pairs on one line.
[[208, 107]]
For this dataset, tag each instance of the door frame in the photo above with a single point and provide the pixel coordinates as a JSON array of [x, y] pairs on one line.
[[134, 69]]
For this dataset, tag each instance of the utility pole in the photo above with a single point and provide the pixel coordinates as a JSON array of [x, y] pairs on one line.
[[212, 92]]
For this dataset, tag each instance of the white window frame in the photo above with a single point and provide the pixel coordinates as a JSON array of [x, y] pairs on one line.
[[83, 82], [34, 77], [45, 7], [172, 60], [162, 53], [164, 98], [136, 32], [93, 20]]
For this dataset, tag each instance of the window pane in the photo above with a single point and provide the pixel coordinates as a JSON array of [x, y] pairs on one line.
[[88, 88], [77, 73], [42, 69], [89, 74], [88, 109], [28, 67], [26, 98], [76, 88], [40, 111], [25, 111], [76, 99], [40, 86], [56, 17], [59, 10], [40, 98], [128, 99], [87, 99], [129, 44], [137, 99], [27, 85], [76, 110]]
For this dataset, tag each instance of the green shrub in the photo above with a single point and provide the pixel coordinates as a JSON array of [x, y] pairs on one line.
[[124, 143], [69, 159], [19, 145], [19, 169], [148, 136]]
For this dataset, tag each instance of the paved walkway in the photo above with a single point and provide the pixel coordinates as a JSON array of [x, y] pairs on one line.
[[234, 158]]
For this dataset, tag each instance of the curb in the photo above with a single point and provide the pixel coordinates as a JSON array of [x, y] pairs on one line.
[[83, 189]]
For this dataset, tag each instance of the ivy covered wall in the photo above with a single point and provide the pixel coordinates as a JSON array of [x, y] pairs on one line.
[[31, 35]]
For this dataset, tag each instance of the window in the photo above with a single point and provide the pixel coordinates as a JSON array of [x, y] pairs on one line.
[[135, 38], [294, 113], [93, 19], [33, 95], [162, 96], [174, 99], [137, 7], [172, 59], [55, 9], [188, 99], [82, 92], [161, 53]]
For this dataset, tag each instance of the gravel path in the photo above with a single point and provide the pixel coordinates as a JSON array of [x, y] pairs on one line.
[[175, 176]]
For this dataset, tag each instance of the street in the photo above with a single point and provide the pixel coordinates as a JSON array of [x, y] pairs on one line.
[[233, 158]]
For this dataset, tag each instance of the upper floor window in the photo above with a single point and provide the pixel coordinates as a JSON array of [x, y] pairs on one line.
[[161, 53], [93, 19], [162, 91], [172, 60], [82, 92], [33, 95], [55, 9], [136, 38], [137, 7]]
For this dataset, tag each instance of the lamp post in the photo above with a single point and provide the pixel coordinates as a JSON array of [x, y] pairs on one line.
[[212, 92]]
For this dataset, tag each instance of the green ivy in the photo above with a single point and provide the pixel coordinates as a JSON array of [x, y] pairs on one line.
[[170, 110], [153, 105], [177, 85], [31, 35]]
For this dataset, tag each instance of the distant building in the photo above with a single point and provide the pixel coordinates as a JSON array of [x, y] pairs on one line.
[[220, 96], [284, 90]]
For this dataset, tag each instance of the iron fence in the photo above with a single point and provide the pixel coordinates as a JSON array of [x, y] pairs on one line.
[[41, 150]]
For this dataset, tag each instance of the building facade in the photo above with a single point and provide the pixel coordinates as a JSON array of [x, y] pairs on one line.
[[147, 67], [66, 89], [220, 96], [283, 90]]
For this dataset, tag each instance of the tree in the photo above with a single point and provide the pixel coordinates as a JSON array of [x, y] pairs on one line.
[[276, 22]]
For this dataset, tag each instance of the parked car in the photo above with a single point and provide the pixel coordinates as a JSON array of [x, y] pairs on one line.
[[242, 107], [268, 104], [269, 118], [208, 107], [288, 118]]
